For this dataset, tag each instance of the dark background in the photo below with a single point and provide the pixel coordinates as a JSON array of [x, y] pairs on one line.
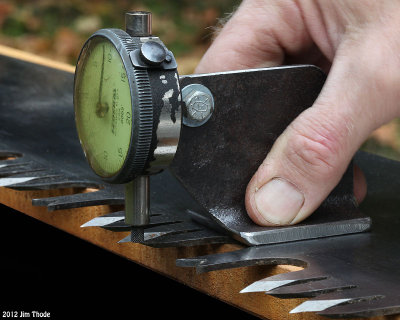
[[57, 29], [45, 269]]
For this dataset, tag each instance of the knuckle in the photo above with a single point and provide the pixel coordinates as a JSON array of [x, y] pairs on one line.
[[310, 157], [314, 153]]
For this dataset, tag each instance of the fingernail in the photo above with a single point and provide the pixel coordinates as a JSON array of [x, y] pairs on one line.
[[279, 201]]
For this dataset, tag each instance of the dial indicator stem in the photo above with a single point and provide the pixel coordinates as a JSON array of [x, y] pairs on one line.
[[137, 192], [138, 23], [137, 201]]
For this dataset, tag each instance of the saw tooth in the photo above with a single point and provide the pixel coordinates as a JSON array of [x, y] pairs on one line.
[[216, 259], [257, 255], [173, 228], [15, 163], [55, 182], [78, 200], [364, 307], [116, 220], [105, 219], [153, 235], [43, 202], [5, 182], [101, 221], [353, 294], [284, 279], [266, 285], [324, 301], [125, 240], [319, 305], [205, 236], [19, 165], [310, 288], [14, 170], [189, 238], [25, 179]]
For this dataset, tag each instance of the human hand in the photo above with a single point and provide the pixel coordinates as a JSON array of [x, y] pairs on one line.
[[358, 43]]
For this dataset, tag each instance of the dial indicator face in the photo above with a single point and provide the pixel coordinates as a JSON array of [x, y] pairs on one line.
[[103, 107]]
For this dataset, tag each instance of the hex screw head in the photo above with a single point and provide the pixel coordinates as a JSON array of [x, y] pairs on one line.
[[199, 104]]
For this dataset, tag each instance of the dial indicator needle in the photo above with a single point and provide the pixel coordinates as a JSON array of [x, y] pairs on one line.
[[101, 109]]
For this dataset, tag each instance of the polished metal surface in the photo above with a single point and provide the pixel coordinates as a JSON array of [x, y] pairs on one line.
[[139, 60], [137, 201], [199, 105], [169, 120], [153, 53], [138, 23], [5, 182]]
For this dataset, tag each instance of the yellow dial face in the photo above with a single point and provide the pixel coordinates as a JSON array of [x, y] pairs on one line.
[[103, 107]]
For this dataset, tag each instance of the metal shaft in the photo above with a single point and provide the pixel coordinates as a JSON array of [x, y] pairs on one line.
[[137, 201], [137, 192], [138, 23]]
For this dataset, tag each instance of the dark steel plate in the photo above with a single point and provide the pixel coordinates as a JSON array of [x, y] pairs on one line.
[[216, 161]]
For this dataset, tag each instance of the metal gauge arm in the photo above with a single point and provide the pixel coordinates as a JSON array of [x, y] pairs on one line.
[[217, 159]]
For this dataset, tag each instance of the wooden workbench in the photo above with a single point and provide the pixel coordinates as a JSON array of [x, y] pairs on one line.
[[224, 285]]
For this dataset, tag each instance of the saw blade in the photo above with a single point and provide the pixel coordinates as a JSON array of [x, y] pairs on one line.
[[352, 275], [348, 276]]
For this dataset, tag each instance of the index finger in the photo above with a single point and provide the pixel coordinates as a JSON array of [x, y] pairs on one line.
[[259, 34]]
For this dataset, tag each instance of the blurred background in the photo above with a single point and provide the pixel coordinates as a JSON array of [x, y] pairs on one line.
[[57, 29]]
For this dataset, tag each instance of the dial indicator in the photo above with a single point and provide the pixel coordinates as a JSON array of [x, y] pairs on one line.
[[103, 106]]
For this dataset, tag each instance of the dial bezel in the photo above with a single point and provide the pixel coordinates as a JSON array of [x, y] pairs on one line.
[[139, 143]]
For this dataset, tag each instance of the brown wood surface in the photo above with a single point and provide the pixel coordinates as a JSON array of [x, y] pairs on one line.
[[224, 285]]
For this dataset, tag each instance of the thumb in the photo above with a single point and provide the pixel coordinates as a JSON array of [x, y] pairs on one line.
[[308, 160]]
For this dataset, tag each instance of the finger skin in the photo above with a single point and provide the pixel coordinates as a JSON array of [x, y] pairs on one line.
[[361, 93], [316, 148], [259, 34], [360, 184]]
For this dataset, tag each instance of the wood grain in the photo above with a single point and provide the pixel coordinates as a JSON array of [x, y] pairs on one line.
[[224, 285]]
